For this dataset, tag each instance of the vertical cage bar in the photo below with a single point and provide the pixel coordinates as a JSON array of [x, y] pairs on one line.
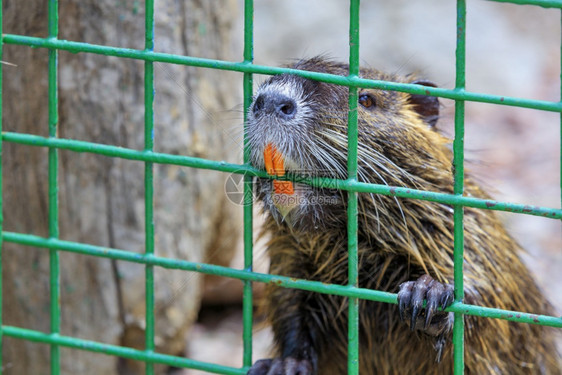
[[149, 180], [1, 190], [352, 135], [247, 302], [458, 166], [54, 264]]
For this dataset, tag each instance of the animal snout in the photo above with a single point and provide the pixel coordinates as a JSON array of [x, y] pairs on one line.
[[275, 104]]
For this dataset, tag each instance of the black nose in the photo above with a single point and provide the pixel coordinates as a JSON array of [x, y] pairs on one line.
[[275, 104]]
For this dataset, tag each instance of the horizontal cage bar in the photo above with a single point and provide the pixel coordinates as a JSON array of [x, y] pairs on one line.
[[286, 282], [120, 351], [349, 185], [245, 67]]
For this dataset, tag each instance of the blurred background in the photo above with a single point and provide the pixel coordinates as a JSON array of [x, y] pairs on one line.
[[515, 153]]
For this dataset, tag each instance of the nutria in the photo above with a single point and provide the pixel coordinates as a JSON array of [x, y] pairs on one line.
[[405, 246]]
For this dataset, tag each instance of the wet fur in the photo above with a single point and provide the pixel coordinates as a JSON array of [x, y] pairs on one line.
[[398, 240]]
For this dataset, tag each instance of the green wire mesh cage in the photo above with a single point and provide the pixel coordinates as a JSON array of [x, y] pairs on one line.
[[54, 245]]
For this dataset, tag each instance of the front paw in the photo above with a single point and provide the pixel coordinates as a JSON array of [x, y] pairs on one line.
[[282, 366], [410, 304]]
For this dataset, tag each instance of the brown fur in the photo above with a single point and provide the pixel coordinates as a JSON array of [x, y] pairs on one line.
[[398, 240]]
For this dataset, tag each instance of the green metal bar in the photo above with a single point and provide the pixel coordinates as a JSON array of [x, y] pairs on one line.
[[247, 301], [1, 192], [97, 347], [458, 167], [54, 262], [149, 182], [360, 187], [282, 281], [541, 3], [244, 67], [352, 135]]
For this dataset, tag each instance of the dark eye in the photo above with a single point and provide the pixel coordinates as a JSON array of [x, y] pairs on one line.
[[367, 101]]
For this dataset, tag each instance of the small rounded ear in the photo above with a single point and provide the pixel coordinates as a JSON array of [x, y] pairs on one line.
[[426, 106]]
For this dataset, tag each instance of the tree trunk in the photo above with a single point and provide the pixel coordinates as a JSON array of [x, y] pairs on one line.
[[102, 199]]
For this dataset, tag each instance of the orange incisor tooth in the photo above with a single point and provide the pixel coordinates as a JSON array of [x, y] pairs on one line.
[[274, 165], [268, 158], [278, 165]]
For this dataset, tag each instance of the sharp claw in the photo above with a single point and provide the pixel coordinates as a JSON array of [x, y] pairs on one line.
[[434, 297], [401, 308], [419, 294], [428, 317], [447, 297], [429, 311], [404, 298], [445, 302], [415, 312]]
